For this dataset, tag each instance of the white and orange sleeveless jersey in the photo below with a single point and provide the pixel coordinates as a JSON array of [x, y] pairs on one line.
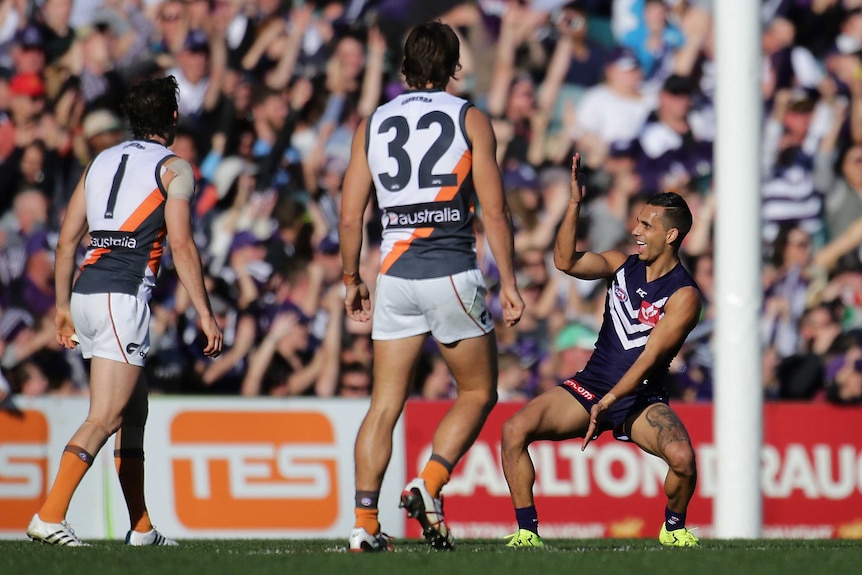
[[421, 163], [126, 217]]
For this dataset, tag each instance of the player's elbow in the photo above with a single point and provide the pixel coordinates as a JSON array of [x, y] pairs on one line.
[[562, 262], [349, 224], [497, 224], [186, 256]]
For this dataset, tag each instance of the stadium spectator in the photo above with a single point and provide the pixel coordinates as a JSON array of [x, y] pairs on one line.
[[354, 380], [513, 379], [787, 283], [573, 347], [655, 41], [674, 149], [792, 138], [613, 111]]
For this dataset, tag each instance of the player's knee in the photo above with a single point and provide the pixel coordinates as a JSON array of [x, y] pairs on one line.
[[680, 458], [483, 398], [108, 425], [383, 413], [515, 434]]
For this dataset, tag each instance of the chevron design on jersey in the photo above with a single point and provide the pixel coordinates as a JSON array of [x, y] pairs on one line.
[[630, 331]]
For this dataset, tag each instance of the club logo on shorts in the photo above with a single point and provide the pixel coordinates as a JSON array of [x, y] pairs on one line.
[[133, 347]]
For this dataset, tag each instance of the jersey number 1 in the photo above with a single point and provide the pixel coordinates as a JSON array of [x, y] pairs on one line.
[[115, 187], [427, 179]]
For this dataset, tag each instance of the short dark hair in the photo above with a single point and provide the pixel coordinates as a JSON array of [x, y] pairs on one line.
[[431, 55], [151, 105], [676, 213]]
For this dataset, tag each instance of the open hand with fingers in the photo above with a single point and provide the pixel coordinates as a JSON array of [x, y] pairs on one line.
[[579, 185], [357, 301], [597, 414]]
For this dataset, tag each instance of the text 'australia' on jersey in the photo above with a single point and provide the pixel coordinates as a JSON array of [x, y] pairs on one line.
[[421, 163], [632, 309], [126, 218]]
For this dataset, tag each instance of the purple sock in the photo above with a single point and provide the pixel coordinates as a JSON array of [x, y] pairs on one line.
[[528, 518], [673, 520]]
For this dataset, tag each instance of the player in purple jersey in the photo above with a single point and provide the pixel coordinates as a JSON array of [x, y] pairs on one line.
[[652, 305]]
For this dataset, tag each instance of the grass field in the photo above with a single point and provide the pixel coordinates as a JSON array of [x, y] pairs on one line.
[[473, 557]]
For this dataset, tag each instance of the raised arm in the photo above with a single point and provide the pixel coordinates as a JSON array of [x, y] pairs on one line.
[[583, 265], [299, 19], [495, 212], [372, 80]]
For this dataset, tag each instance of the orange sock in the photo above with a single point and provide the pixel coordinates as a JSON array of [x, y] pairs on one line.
[[367, 519], [436, 475], [74, 463], [130, 470]]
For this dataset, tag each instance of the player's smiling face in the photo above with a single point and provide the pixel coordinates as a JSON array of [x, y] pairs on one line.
[[651, 236]]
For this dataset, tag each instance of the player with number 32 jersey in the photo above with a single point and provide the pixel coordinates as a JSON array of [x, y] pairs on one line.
[[424, 184]]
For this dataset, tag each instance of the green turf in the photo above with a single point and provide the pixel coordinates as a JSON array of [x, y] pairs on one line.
[[473, 557]]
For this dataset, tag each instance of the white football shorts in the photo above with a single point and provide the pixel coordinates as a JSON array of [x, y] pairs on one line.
[[112, 326], [450, 308]]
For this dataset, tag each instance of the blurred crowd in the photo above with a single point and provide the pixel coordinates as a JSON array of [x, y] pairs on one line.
[[270, 94]]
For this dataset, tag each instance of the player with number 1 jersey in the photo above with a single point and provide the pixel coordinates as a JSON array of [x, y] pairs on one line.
[[130, 198], [125, 211]]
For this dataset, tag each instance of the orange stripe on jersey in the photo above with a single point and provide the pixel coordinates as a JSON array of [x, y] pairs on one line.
[[446, 193], [157, 251], [147, 207], [401, 246], [462, 168], [94, 257]]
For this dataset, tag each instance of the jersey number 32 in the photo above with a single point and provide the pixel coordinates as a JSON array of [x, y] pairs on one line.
[[427, 178]]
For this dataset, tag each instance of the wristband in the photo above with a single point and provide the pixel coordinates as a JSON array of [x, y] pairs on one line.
[[606, 404], [351, 279]]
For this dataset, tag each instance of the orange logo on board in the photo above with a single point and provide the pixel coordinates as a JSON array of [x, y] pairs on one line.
[[254, 470], [23, 466]]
